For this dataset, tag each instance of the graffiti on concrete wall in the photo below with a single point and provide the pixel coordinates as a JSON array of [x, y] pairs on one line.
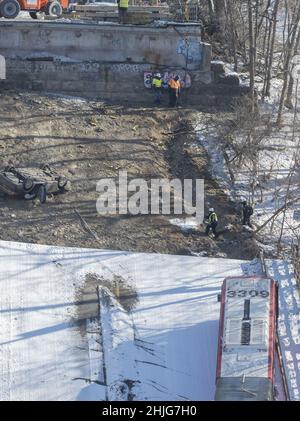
[[15, 66], [191, 49], [33, 65], [185, 78], [127, 68], [37, 64], [43, 38]]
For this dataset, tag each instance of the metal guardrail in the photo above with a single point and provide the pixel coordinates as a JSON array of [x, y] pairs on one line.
[[296, 261], [265, 272], [263, 263]]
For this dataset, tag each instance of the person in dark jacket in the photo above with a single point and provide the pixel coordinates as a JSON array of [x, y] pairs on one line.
[[247, 213], [212, 220], [122, 9], [174, 91]]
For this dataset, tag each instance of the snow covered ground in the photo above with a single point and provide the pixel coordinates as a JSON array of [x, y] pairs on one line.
[[277, 154], [84, 324], [163, 348], [288, 323]]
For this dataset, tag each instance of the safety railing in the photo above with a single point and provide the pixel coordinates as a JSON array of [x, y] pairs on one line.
[[296, 261], [264, 269]]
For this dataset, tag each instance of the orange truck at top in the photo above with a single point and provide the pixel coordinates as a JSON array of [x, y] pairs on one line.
[[10, 9]]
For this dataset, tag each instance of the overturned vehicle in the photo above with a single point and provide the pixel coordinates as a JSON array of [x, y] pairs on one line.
[[33, 184]]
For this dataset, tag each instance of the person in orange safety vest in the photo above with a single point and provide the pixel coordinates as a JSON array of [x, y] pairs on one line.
[[174, 91]]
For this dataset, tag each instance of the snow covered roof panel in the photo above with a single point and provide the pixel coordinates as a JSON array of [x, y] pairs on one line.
[[151, 320]]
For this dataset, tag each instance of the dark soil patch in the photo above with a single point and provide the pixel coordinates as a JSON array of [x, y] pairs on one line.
[[87, 302]]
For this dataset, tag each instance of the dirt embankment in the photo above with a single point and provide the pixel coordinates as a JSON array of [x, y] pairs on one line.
[[88, 141]]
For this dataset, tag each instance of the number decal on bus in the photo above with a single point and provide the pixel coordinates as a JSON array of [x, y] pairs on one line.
[[242, 293]]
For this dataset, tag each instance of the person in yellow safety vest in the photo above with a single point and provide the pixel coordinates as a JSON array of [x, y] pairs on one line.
[[122, 8], [157, 82], [212, 219], [174, 91]]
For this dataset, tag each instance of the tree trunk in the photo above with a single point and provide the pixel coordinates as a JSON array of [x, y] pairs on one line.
[[289, 95], [251, 55], [233, 35], [266, 53], [220, 10], [287, 64], [211, 7], [271, 52]]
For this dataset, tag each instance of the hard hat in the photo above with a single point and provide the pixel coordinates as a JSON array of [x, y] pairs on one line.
[[211, 210]]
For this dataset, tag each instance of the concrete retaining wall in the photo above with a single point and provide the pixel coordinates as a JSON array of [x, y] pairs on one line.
[[105, 60], [175, 45], [122, 80]]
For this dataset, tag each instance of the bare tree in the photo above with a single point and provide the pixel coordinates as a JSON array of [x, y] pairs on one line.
[[252, 54], [270, 56], [289, 55], [289, 95], [220, 8], [211, 8], [233, 34]]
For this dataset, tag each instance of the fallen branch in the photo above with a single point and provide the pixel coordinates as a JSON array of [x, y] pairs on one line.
[[275, 214], [86, 227], [175, 133], [228, 162]]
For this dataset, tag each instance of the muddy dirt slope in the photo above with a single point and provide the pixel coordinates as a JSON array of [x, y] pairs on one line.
[[87, 141]]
